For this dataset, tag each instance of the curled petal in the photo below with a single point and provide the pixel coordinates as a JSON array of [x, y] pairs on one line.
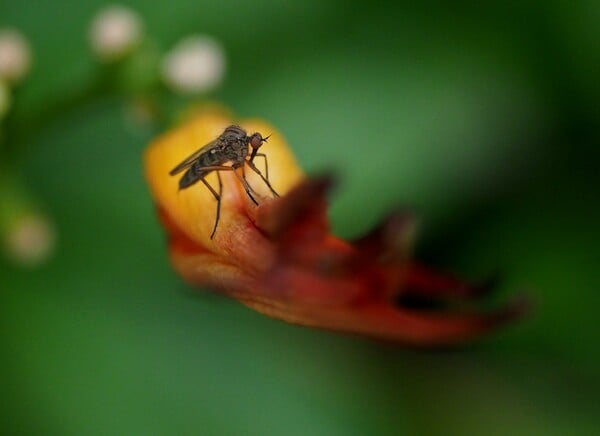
[[280, 258]]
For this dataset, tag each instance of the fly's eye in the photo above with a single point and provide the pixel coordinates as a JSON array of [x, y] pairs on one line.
[[256, 140]]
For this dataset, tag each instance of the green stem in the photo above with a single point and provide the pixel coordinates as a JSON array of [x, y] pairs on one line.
[[19, 127], [14, 200]]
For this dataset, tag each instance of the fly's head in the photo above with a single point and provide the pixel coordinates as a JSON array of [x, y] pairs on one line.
[[256, 141]]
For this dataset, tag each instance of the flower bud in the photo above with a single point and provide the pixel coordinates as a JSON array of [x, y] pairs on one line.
[[30, 240], [15, 56], [277, 255], [114, 32], [194, 65]]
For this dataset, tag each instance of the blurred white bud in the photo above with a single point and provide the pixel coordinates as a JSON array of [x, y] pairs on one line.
[[194, 65], [114, 32], [15, 55], [4, 98], [30, 241]]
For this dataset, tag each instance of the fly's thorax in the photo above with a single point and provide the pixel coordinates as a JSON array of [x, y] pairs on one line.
[[235, 151], [233, 133]]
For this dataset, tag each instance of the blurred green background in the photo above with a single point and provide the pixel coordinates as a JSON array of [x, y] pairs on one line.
[[481, 117]]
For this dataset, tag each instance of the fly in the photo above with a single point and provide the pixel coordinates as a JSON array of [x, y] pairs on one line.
[[228, 152]]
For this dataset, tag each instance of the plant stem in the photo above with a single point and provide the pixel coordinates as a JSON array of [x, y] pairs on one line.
[[20, 127]]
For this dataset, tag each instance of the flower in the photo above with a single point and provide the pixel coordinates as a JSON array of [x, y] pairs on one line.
[[15, 56], [27, 236], [280, 259], [30, 240], [196, 64], [114, 32]]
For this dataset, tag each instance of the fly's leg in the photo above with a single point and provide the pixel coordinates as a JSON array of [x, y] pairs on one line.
[[244, 176], [264, 156], [257, 171], [218, 205], [242, 180], [218, 198], [246, 185]]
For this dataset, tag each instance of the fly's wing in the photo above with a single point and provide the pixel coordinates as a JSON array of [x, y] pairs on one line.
[[192, 158]]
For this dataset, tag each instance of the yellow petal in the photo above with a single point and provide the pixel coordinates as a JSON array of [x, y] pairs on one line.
[[193, 209]]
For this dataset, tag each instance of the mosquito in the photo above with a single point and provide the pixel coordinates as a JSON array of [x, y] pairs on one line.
[[228, 152]]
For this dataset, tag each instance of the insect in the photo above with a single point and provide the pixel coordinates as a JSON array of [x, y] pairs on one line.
[[228, 152]]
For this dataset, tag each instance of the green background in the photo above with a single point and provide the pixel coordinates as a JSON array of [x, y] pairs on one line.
[[481, 118]]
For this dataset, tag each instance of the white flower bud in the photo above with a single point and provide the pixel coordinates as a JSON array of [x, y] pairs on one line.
[[15, 56], [194, 65], [30, 241], [4, 98], [114, 32]]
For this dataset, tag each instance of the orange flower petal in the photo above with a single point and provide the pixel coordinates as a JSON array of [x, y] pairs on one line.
[[280, 259]]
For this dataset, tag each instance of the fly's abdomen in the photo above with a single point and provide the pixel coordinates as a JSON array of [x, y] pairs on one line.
[[199, 170], [188, 178]]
